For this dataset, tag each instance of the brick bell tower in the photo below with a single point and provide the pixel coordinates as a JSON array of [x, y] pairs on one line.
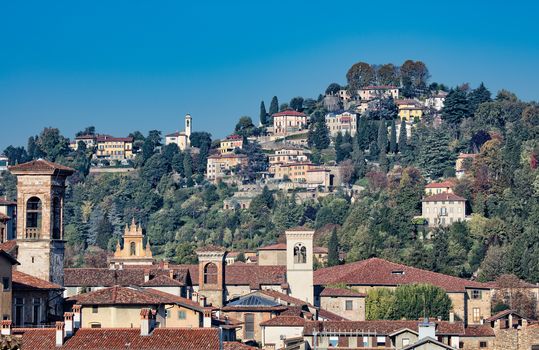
[[211, 274], [40, 229]]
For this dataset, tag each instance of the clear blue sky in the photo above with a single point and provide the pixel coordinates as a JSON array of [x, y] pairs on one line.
[[141, 65]]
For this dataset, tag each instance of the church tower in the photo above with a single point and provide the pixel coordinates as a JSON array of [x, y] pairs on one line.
[[40, 229], [134, 252], [299, 263], [188, 128], [211, 274]]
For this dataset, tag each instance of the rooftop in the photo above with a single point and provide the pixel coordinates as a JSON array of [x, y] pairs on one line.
[[380, 272], [289, 112], [443, 184], [23, 281], [40, 166], [341, 292], [444, 197], [120, 296]]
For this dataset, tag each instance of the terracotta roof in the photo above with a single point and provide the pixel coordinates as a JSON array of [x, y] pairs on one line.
[[175, 299], [120, 295], [381, 327], [420, 344], [163, 281], [105, 277], [118, 338], [9, 247], [289, 112], [235, 345], [40, 166], [479, 331], [23, 281], [328, 315], [177, 133], [502, 314], [341, 292], [443, 184], [380, 272], [254, 275], [281, 321], [234, 137], [284, 297], [378, 87], [113, 139], [231, 155], [444, 197], [4, 201]]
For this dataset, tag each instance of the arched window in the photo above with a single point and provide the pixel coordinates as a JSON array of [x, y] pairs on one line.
[[132, 248], [210, 274], [56, 218], [33, 217], [300, 254]]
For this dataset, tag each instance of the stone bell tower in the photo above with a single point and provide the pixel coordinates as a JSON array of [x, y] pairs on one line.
[[299, 263], [134, 252], [211, 274], [40, 229]]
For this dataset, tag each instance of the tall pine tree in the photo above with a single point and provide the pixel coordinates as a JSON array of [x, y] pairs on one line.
[[362, 133], [478, 96], [456, 107], [393, 138], [339, 155], [403, 142], [274, 106], [263, 114], [333, 249], [188, 169], [382, 136]]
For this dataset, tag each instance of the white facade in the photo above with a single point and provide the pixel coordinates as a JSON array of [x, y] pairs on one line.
[[182, 139], [341, 123], [299, 263]]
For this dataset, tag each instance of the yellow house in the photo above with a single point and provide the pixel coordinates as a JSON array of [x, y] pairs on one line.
[[229, 144], [219, 165], [114, 148], [409, 110]]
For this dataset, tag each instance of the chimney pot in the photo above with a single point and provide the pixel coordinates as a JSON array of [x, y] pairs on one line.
[[68, 324], [452, 317], [6, 327], [202, 301], [76, 316], [60, 333]]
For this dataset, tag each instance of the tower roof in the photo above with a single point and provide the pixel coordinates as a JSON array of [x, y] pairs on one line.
[[41, 167]]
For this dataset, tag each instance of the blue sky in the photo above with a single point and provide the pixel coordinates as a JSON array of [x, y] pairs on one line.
[[141, 65]]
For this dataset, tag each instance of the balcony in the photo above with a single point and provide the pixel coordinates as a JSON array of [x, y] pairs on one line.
[[33, 233]]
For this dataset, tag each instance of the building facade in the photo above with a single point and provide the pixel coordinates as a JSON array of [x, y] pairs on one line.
[[443, 209], [183, 138], [134, 251], [230, 143], [368, 93], [221, 165], [288, 121], [114, 148], [341, 123]]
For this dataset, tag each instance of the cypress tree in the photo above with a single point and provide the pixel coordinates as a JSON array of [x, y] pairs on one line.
[[403, 142], [274, 106], [339, 156], [333, 249], [362, 133], [384, 162], [188, 168], [393, 138], [382, 137], [263, 114]]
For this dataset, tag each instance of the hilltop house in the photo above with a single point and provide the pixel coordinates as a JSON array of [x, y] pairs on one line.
[[410, 110], [183, 138], [288, 121], [341, 123], [443, 209], [230, 143]]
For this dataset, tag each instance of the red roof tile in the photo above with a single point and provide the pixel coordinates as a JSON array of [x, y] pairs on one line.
[[9, 247], [120, 295], [163, 281], [211, 248], [444, 197], [341, 292], [289, 112], [328, 315], [4, 201], [503, 314], [378, 87], [290, 300], [381, 327], [175, 299], [122, 338], [40, 166], [113, 139], [105, 277], [443, 184], [234, 345], [23, 281], [479, 331], [281, 321], [380, 272]]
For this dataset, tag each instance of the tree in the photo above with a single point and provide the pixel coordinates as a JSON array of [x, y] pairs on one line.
[[382, 137], [415, 74], [379, 304], [200, 138], [456, 107], [245, 127], [296, 103], [393, 138], [151, 143], [387, 75], [15, 155], [478, 96], [318, 136], [362, 133], [333, 249], [434, 155], [89, 130], [384, 162], [360, 75], [333, 88], [339, 156], [53, 144], [263, 114], [274, 106], [413, 301], [403, 142], [188, 169]]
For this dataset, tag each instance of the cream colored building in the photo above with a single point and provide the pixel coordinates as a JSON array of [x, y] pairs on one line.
[[219, 166], [295, 172], [289, 121], [436, 100], [182, 139], [287, 155], [299, 263], [133, 252], [230, 143], [443, 209], [463, 164], [341, 123], [439, 187], [114, 148], [368, 93]]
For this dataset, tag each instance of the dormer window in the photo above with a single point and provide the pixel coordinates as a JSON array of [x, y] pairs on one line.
[[397, 272]]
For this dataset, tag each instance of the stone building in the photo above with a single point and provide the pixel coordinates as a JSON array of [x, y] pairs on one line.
[[347, 303], [211, 278], [299, 263], [372, 92], [223, 165], [443, 209], [114, 148], [6, 275], [133, 252]]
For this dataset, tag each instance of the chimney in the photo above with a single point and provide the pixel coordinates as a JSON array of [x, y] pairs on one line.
[[451, 317], [6, 327], [76, 316], [171, 273], [145, 322], [68, 324], [427, 329], [195, 297], [60, 333], [202, 301], [165, 265], [146, 275], [206, 322]]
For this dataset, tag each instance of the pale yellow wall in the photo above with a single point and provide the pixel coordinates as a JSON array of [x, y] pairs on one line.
[[337, 305], [192, 318], [112, 316], [272, 257], [272, 335], [398, 342], [455, 210], [482, 304]]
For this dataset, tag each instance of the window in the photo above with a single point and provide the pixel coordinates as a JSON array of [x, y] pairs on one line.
[[132, 248], [349, 305], [476, 315], [19, 312], [56, 218], [365, 342], [95, 309], [476, 294], [249, 320], [333, 341], [405, 341], [210, 273], [5, 283], [181, 315], [300, 254], [33, 217], [443, 211], [482, 344], [95, 325], [380, 341], [36, 311]]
